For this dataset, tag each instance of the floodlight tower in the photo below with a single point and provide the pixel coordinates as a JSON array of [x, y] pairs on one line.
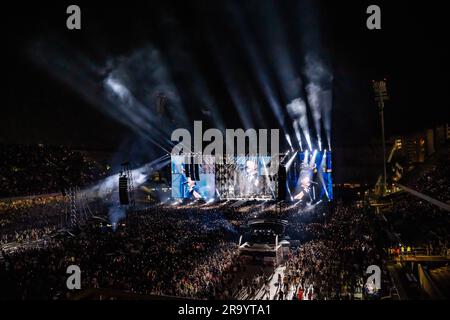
[[380, 95]]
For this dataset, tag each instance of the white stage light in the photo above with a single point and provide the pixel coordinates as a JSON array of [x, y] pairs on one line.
[[288, 138], [291, 160]]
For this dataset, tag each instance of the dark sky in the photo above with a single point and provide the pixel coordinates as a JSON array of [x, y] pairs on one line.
[[410, 51]]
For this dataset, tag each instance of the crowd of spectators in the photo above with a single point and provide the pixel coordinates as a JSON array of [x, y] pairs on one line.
[[31, 218], [435, 181], [39, 169], [158, 251], [191, 251], [416, 222], [334, 262]]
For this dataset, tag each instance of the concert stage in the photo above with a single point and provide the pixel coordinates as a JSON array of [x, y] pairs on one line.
[[294, 176]]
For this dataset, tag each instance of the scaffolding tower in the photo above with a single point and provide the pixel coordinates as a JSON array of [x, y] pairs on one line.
[[77, 211]]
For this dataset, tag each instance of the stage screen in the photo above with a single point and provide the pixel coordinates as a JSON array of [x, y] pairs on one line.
[[309, 177], [246, 178], [193, 181]]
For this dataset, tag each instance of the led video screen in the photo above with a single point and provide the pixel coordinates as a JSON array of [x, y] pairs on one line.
[[309, 177], [193, 180], [245, 178]]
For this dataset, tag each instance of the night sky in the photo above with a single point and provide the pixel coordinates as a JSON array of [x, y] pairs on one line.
[[410, 51]]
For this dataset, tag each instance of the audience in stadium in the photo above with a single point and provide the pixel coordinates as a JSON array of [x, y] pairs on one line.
[[434, 182], [29, 219], [417, 223], [39, 169], [157, 252], [191, 250], [174, 251]]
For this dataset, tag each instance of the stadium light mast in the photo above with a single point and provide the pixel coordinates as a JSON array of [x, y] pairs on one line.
[[380, 95]]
